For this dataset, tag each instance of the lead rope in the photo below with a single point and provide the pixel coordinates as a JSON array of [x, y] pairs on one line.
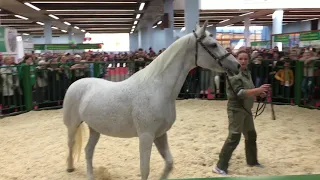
[[257, 113]]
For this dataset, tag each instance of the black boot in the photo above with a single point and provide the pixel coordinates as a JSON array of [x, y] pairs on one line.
[[226, 152]]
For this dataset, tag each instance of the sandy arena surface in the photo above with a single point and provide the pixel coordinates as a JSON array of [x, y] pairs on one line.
[[33, 146]]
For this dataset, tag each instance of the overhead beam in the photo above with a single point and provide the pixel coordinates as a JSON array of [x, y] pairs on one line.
[[98, 1], [238, 19], [19, 8], [93, 12]]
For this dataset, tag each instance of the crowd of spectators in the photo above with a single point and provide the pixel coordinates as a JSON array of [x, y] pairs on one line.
[[52, 73]]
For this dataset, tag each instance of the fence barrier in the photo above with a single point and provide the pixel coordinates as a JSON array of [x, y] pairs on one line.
[[43, 86]]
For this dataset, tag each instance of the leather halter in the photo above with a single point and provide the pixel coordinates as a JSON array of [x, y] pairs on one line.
[[199, 41]]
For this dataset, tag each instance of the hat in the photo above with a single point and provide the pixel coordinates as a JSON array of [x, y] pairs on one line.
[[77, 56]]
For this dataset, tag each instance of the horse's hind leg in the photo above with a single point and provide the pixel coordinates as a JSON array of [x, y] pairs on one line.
[[163, 148], [72, 133], [93, 140]]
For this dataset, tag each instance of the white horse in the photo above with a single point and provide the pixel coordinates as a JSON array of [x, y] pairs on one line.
[[142, 106]]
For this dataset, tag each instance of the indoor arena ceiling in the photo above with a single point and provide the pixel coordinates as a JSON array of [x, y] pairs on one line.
[[259, 17], [119, 16], [95, 16]]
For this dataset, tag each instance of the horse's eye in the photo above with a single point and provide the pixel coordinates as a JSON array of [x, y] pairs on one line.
[[214, 45]]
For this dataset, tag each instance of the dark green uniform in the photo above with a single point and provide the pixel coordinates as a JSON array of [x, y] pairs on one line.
[[240, 121]]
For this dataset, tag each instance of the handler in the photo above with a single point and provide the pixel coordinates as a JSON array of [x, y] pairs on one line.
[[240, 121]]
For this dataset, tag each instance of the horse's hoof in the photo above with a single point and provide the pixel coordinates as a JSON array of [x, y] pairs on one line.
[[70, 170]]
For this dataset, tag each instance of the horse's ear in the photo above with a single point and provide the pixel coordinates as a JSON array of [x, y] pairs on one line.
[[197, 26], [204, 27]]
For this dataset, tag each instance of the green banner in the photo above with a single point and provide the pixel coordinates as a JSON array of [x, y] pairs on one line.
[[260, 43], [281, 38], [2, 40], [310, 36], [40, 47], [66, 46]]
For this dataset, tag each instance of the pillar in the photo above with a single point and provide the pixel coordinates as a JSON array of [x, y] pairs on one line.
[[168, 8], [277, 18], [133, 38], [149, 36], [70, 36], [140, 38], [191, 15], [247, 31], [47, 32]]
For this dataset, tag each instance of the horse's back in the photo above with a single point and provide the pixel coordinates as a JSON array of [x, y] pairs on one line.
[[104, 105]]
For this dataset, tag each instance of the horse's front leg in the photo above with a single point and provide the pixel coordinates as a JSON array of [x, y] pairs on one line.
[[163, 148], [145, 146]]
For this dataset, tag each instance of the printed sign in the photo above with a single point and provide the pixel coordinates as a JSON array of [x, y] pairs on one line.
[[281, 38], [8, 40], [310, 36]]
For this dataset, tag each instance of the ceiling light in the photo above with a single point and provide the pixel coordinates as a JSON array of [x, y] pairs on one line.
[[32, 6], [54, 27], [154, 26], [224, 21], [131, 32], [86, 10], [210, 25], [76, 27], [40, 23], [246, 14], [159, 22], [67, 23], [77, 2], [83, 30], [310, 19], [133, 27], [95, 14], [229, 25], [138, 16], [135, 22], [21, 17], [53, 16], [141, 6], [25, 34], [64, 31]]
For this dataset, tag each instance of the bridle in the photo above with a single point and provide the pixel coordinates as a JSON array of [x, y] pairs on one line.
[[199, 41], [219, 59]]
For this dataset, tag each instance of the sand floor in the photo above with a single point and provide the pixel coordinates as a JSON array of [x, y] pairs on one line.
[[33, 145]]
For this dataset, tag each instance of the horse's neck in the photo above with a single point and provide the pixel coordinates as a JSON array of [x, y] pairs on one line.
[[176, 62], [176, 74]]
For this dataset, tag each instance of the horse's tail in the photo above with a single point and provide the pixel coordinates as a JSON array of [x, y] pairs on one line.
[[76, 149], [73, 122]]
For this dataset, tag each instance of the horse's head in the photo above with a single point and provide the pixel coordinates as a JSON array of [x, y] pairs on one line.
[[211, 55]]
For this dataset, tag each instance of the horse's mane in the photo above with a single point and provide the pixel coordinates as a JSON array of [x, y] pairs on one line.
[[161, 63]]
